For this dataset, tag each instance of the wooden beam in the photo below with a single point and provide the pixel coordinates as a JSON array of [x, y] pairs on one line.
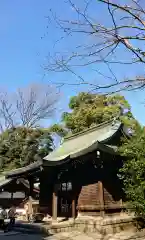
[[54, 205], [31, 184], [101, 197], [98, 208]]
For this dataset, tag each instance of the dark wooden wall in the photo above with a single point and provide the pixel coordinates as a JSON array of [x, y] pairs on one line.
[[88, 200], [85, 173], [13, 187], [47, 181]]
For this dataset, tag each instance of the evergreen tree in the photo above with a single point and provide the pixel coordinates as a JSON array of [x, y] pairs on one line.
[[22, 146], [87, 110]]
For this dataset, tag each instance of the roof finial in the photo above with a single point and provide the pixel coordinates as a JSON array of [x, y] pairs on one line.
[[116, 118]]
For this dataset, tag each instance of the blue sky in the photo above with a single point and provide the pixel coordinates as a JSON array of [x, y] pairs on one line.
[[25, 41]]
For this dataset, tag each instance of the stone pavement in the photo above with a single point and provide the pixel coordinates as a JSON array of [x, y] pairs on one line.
[[94, 236], [12, 233], [16, 236], [72, 236]]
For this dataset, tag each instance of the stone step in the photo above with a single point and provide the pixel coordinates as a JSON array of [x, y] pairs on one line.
[[126, 236], [74, 235], [29, 227]]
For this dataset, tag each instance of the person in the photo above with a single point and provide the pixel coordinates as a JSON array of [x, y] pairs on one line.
[[12, 214], [3, 216], [27, 212]]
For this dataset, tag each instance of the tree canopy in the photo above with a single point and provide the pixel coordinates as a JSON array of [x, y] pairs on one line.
[[87, 110], [21, 140], [22, 146], [133, 171]]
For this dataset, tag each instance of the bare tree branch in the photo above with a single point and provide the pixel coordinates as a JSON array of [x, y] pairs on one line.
[[124, 29], [27, 106]]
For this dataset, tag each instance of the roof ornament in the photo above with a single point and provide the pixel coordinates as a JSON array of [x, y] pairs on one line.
[[116, 118], [98, 154]]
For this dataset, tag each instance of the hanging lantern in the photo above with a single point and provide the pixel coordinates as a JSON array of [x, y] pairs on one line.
[[18, 181], [98, 154]]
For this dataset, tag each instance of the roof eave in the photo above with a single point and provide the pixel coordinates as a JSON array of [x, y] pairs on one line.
[[94, 147], [25, 170]]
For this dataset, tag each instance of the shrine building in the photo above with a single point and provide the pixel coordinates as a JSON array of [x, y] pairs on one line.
[[80, 177]]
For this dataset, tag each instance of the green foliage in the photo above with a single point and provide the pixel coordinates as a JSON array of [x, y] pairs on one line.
[[133, 171], [59, 129], [88, 110], [45, 144], [22, 146]]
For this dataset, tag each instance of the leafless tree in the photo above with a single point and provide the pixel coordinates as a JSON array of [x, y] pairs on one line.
[[121, 28], [27, 106]]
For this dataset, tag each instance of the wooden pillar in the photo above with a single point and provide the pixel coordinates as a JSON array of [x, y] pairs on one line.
[[121, 203], [12, 194], [101, 197], [73, 200], [31, 184], [54, 204], [121, 206], [73, 208]]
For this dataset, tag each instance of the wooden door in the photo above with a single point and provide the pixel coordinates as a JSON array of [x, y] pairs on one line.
[[65, 200]]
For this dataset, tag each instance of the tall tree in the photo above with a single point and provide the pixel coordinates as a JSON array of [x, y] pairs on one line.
[[22, 146], [87, 110], [133, 171], [27, 106], [101, 43]]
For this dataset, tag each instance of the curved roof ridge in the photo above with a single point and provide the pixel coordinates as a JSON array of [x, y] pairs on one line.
[[91, 129], [85, 141]]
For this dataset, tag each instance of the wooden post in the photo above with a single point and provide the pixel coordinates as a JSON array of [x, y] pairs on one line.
[[31, 184], [54, 205], [73, 208], [121, 203], [12, 195], [101, 197], [73, 201], [121, 206]]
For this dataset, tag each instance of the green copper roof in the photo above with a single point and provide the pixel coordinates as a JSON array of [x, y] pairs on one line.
[[84, 142], [4, 181], [24, 170]]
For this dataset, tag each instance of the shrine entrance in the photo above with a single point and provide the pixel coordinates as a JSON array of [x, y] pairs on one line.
[[65, 198]]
